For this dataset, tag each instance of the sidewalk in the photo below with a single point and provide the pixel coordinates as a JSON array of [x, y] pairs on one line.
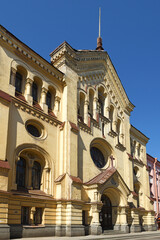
[[102, 237]]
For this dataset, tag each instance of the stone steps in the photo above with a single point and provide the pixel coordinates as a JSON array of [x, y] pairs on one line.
[[112, 232]]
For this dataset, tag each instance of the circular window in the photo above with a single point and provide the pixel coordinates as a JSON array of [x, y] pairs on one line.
[[97, 157], [33, 130]]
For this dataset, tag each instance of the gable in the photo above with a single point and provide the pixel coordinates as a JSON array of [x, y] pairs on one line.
[[93, 68]]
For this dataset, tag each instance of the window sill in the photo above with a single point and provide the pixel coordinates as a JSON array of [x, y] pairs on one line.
[[33, 226]]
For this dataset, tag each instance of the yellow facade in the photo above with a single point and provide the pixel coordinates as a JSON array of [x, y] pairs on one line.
[[70, 162]]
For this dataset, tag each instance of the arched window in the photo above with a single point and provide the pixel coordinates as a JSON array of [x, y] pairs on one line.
[[20, 173], [36, 175], [48, 100], [35, 92], [118, 128], [81, 108], [111, 116], [101, 99], [101, 106], [90, 106], [18, 82]]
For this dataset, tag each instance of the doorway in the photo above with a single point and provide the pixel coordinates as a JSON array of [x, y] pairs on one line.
[[105, 216]]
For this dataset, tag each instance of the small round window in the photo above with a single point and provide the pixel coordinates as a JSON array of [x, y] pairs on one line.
[[97, 157], [33, 130]]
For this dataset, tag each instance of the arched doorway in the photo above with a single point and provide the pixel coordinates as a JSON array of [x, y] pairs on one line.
[[105, 216]]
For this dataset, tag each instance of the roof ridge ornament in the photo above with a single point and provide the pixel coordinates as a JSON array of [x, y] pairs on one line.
[[99, 39]]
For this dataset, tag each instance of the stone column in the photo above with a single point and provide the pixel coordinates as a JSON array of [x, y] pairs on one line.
[[107, 109], [95, 108], [151, 226], [86, 104], [29, 174], [28, 91], [4, 227], [121, 134], [56, 105], [135, 227], [117, 225], [32, 214], [141, 153], [136, 150], [114, 123], [60, 229], [123, 220], [43, 100], [13, 76], [114, 126], [95, 228]]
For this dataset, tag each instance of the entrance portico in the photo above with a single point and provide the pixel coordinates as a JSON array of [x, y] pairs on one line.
[[109, 195]]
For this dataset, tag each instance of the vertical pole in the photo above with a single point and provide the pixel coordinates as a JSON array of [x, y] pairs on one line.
[[99, 22]]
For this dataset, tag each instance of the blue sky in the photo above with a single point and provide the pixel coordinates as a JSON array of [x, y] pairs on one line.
[[130, 33]]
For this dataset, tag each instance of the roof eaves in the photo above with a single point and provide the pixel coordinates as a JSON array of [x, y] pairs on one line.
[[26, 46]]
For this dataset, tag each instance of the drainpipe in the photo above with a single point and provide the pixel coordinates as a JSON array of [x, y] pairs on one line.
[[156, 189]]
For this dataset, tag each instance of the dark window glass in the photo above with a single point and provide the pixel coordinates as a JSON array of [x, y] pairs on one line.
[[18, 82], [83, 217], [35, 92], [97, 157], [48, 99], [25, 215], [20, 173], [36, 175], [33, 130], [101, 107], [38, 216]]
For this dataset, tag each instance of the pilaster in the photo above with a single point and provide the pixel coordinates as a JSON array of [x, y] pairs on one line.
[[95, 227], [43, 99]]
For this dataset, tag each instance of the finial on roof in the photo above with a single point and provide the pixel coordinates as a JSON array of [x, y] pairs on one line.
[[99, 39]]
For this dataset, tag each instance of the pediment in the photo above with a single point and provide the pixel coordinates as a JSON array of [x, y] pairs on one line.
[[115, 181], [93, 68], [110, 178]]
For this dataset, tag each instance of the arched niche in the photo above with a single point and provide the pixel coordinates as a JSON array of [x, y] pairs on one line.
[[34, 154]]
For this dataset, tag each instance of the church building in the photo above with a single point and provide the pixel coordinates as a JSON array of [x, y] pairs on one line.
[[71, 164]]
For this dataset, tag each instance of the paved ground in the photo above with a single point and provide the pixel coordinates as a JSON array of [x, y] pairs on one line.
[[131, 236]]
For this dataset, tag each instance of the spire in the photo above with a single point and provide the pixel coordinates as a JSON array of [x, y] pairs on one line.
[[99, 39]]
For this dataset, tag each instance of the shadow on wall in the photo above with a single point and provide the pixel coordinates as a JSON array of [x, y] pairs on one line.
[[81, 148]]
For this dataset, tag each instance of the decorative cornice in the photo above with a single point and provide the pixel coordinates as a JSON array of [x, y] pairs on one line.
[[84, 62], [23, 50], [120, 147], [35, 112], [112, 134], [136, 133], [74, 127], [84, 127], [5, 96], [140, 162]]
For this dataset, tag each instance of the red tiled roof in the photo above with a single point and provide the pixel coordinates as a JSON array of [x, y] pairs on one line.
[[20, 96], [4, 164], [59, 179], [36, 105], [62, 126], [102, 177], [50, 113], [75, 179], [5, 96], [33, 194], [74, 127]]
